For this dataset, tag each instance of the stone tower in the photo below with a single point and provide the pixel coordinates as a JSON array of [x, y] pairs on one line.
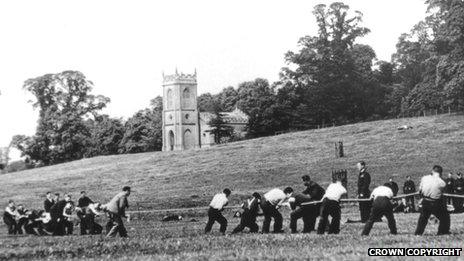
[[180, 112]]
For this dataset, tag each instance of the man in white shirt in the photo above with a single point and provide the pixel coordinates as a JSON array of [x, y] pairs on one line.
[[270, 204], [331, 206], [433, 203], [382, 206], [216, 207]]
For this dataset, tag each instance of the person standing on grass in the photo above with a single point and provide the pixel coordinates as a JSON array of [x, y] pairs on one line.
[[433, 202], [250, 212], [92, 211], [9, 217], [81, 211], [68, 218], [458, 190], [116, 209], [315, 192], [216, 207], [270, 205], [382, 206], [331, 207], [49, 202], [449, 188], [408, 188], [393, 185], [299, 210], [58, 220], [364, 181]]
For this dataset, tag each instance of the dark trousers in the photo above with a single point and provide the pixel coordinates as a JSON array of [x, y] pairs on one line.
[[32, 225], [458, 204], [247, 220], [270, 211], [410, 203], [11, 224], [381, 206], [22, 222], [83, 224], [117, 226], [68, 227], [438, 209], [213, 216], [330, 208], [365, 209], [58, 225], [309, 215]]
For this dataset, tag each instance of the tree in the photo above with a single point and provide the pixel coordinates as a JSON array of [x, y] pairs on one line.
[[64, 101], [219, 128], [143, 131], [106, 134], [206, 102], [329, 75], [430, 59], [258, 100], [227, 99]]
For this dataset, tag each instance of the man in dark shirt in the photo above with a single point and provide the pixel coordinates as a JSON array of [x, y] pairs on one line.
[[56, 213], [315, 192], [364, 181], [393, 185], [459, 190], [408, 188], [250, 212], [48, 203], [449, 188], [300, 211], [82, 205]]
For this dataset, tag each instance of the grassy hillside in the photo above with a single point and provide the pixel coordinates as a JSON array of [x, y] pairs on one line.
[[180, 179]]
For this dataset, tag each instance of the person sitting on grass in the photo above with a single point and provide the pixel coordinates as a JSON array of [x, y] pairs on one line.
[[216, 207], [250, 212]]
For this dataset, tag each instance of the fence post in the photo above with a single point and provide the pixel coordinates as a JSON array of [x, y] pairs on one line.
[[449, 110]]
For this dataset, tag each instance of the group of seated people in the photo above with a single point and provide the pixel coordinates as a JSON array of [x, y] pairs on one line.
[[57, 218]]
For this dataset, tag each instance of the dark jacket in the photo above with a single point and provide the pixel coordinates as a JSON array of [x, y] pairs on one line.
[[364, 181], [251, 207], [449, 188], [459, 186], [300, 198], [394, 187], [56, 211], [48, 205], [409, 187], [84, 202], [314, 191]]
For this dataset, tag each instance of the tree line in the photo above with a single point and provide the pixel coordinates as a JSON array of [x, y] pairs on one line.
[[329, 79]]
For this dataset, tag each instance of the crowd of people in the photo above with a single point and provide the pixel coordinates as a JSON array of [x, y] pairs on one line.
[[59, 216], [316, 202]]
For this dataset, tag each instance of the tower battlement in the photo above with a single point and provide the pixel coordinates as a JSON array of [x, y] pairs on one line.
[[180, 77]]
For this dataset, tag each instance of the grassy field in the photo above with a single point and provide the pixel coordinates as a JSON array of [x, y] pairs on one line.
[[188, 179], [155, 240]]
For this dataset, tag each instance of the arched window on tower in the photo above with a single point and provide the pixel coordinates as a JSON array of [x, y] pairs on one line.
[[186, 93], [169, 98], [186, 98]]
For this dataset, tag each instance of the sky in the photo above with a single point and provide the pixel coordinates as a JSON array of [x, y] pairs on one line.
[[124, 46]]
